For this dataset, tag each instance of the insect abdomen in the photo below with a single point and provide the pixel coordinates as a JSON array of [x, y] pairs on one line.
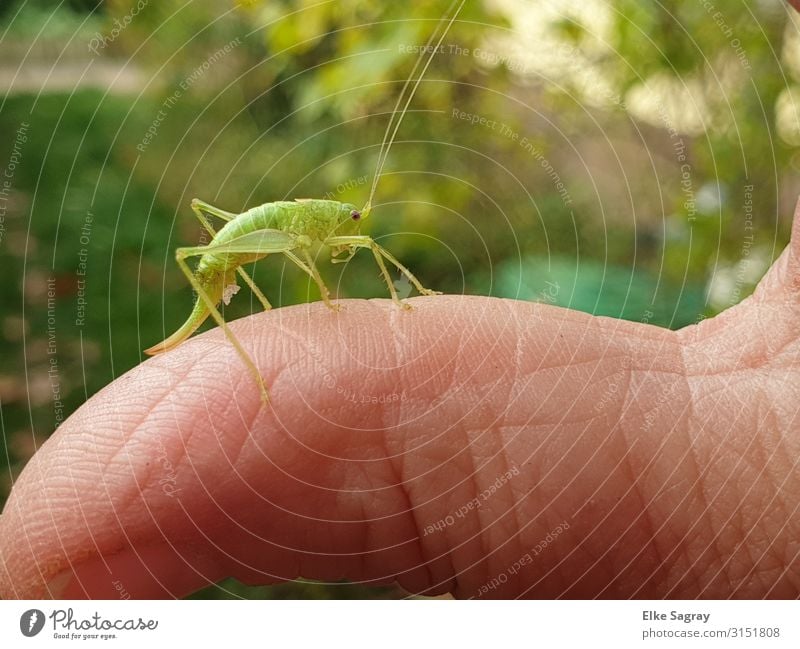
[[260, 217]]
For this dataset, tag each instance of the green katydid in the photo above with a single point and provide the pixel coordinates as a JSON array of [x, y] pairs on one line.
[[290, 228]]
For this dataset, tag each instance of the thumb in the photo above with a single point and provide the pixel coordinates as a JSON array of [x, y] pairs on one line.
[[781, 284]]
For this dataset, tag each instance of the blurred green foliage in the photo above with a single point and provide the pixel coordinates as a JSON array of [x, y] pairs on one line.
[[644, 124]]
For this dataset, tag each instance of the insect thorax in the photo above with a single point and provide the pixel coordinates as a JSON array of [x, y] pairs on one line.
[[315, 218]]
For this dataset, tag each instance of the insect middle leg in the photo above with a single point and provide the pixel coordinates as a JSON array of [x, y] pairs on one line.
[[258, 242], [310, 267], [198, 207]]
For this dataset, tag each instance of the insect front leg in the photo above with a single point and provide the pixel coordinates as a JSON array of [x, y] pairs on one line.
[[198, 207], [351, 250], [379, 252]]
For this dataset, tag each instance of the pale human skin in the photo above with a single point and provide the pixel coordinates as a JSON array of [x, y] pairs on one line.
[[660, 463]]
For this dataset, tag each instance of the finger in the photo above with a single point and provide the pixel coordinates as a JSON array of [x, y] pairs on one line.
[[440, 448]]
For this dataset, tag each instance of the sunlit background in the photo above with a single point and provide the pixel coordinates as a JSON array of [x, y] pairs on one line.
[[629, 159]]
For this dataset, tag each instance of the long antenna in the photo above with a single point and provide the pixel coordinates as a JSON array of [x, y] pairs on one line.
[[427, 48], [388, 140]]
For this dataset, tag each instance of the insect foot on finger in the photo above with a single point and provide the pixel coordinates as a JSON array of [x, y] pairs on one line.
[[405, 306]]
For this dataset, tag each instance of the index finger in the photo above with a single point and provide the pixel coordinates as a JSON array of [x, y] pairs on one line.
[[174, 476]]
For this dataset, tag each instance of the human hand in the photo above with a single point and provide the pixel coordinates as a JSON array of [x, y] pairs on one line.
[[516, 450]]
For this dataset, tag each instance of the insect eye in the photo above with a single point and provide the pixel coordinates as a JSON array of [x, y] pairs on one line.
[[355, 215]]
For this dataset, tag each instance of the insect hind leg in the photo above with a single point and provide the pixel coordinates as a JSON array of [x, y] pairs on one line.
[[180, 256], [198, 207]]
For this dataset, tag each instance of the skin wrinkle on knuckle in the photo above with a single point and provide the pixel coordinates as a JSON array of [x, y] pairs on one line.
[[707, 553], [420, 558], [713, 548], [649, 496], [472, 475], [517, 533], [426, 553], [485, 518], [651, 526], [484, 530], [396, 462], [629, 460], [351, 375]]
